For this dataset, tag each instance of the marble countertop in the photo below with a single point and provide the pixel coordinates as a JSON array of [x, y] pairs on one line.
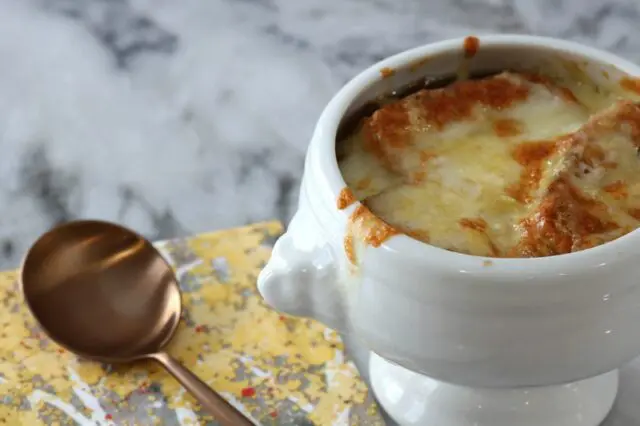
[[179, 117]]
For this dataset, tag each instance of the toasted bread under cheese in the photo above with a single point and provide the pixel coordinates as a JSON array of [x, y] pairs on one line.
[[593, 195]]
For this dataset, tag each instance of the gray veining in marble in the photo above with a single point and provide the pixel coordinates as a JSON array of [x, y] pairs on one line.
[[177, 117]]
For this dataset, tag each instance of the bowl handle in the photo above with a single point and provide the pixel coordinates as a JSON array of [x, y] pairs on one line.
[[301, 277]]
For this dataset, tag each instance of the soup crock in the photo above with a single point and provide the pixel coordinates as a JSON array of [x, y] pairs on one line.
[[464, 323]]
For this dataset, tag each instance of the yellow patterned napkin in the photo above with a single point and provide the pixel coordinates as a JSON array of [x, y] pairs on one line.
[[278, 370]]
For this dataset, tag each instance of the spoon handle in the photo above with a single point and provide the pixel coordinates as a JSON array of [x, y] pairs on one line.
[[223, 412]]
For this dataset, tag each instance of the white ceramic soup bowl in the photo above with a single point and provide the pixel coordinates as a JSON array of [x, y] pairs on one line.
[[459, 340]]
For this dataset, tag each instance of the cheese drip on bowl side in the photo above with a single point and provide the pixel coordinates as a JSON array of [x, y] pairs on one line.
[[512, 165]]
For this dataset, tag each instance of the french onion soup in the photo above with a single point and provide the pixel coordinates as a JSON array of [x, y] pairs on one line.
[[508, 165]]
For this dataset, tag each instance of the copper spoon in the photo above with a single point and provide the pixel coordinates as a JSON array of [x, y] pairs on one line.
[[105, 293]]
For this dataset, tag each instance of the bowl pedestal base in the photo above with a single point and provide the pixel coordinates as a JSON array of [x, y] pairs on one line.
[[413, 399]]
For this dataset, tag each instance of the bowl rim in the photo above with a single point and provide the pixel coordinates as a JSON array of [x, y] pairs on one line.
[[406, 248]]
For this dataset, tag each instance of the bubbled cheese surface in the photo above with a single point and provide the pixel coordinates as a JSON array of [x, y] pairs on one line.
[[512, 165]]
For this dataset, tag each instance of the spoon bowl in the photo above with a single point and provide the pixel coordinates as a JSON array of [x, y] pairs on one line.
[[105, 293]]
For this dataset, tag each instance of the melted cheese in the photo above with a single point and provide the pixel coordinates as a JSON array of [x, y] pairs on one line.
[[593, 195], [512, 165]]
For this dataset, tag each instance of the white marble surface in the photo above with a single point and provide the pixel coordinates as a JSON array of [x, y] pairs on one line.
[[177, 117]]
